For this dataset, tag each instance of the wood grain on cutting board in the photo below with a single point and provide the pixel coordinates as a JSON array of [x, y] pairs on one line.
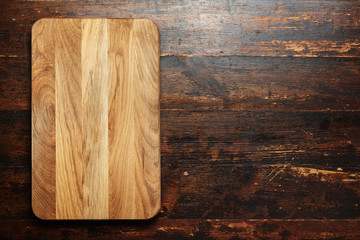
[[95, 119]]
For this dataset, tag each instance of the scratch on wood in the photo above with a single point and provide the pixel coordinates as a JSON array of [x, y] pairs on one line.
[[306, 171], [280, 170], [9, 56]]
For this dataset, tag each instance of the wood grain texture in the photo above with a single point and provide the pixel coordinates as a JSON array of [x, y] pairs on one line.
[[260, 84], [282, 82], [230, 83], [94, 59], [189, 27], [138, 107], [307, 165], [68, 91], [185, 229], [43, 120], [106, 100]]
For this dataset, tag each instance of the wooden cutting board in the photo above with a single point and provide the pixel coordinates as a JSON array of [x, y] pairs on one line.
[[95, 119]]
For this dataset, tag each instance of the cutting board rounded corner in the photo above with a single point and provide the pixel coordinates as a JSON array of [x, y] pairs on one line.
[[38, 22], [155, 212], [153, 23], [38, 213]]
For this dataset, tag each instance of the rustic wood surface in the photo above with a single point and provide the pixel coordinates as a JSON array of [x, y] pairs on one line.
[[95, 119], [260, 113]]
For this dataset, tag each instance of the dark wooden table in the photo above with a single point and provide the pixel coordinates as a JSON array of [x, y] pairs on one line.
[[260, 116]]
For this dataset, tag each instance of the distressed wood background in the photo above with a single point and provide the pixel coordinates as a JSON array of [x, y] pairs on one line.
[[260, 119]]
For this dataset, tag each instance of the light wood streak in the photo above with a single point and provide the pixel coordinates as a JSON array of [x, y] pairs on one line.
[[105, 96], [69, 167], [133, 102], [95, 118], [147, 124], [121, 111]]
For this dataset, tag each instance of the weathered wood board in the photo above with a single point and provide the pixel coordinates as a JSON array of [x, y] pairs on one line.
[[95, 119]]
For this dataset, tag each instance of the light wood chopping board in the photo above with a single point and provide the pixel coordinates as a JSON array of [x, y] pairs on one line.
[[95, 119]]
